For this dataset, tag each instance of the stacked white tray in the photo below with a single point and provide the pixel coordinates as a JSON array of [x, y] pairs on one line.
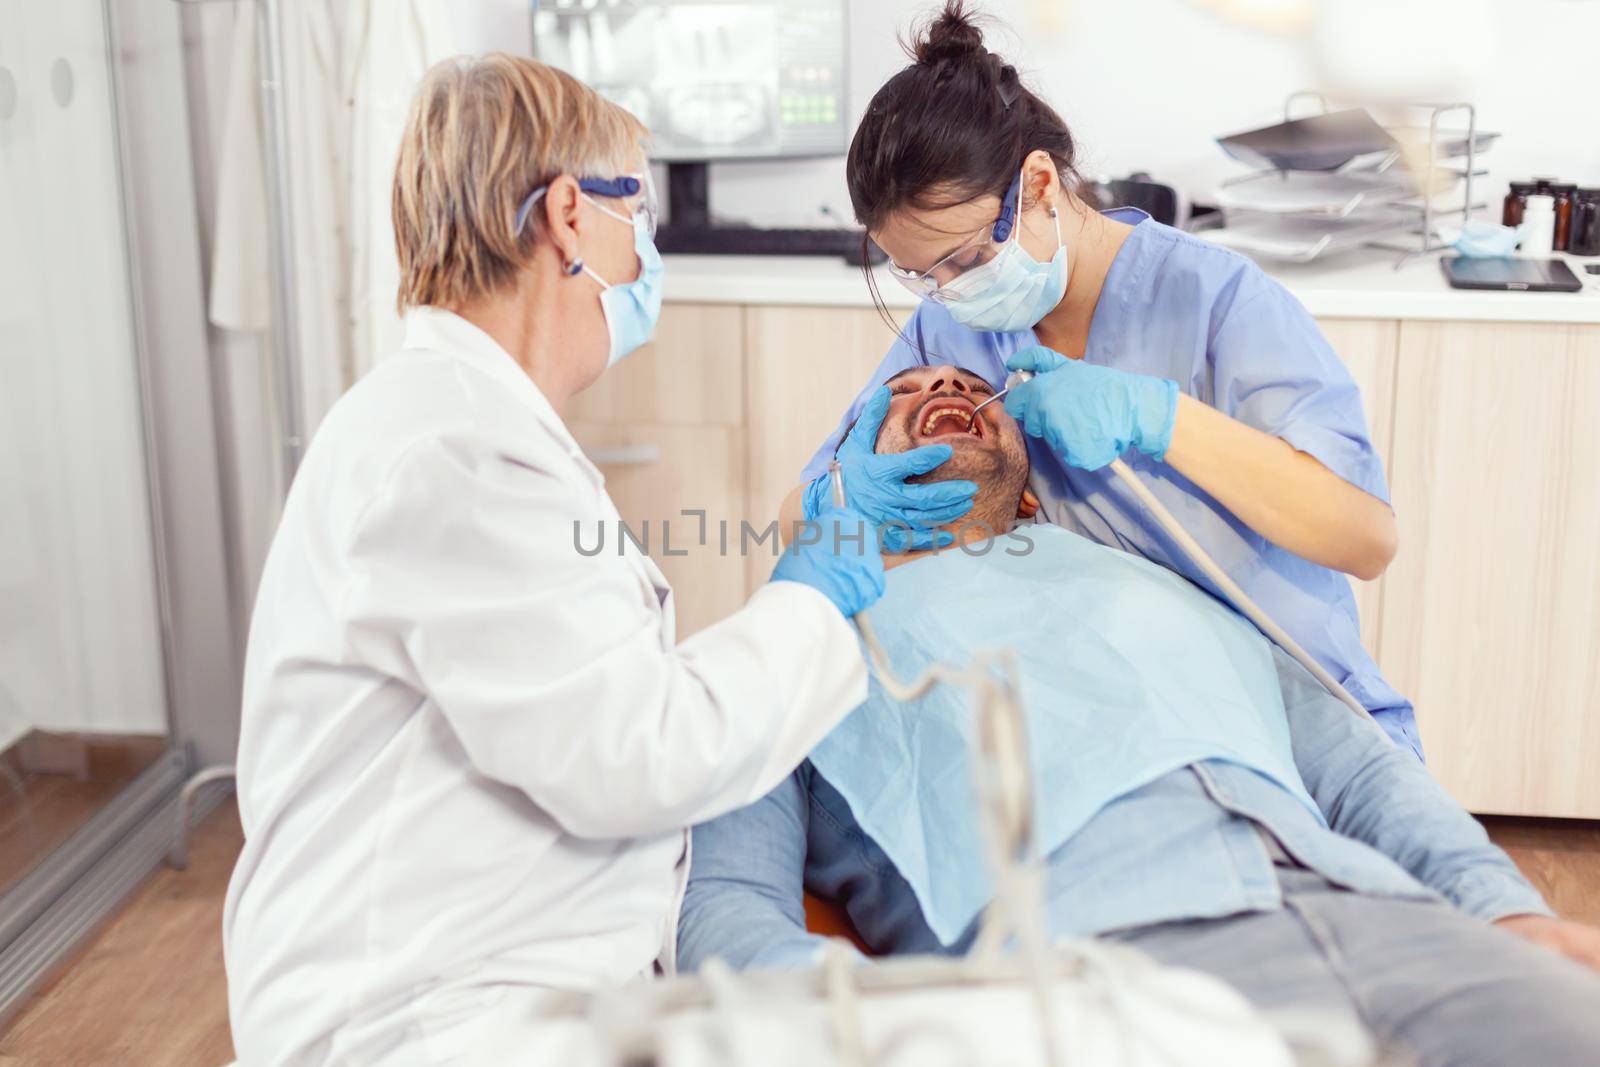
[[1381, 199]]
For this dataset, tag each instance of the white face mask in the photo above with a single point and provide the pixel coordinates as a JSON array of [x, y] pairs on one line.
[[1012, 291]]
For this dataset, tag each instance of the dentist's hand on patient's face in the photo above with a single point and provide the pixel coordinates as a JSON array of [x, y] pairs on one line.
[[876, 486], [1576, 941]]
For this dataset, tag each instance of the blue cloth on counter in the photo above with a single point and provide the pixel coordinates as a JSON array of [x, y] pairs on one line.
[[1187, 846], [1127, 672], [1477, 238], [1179, 307]]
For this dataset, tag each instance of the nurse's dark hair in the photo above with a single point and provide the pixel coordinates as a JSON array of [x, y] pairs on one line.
[[953, 126]]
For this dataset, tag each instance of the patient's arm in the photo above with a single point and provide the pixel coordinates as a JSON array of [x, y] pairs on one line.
[[1372, 791], [745, 902]]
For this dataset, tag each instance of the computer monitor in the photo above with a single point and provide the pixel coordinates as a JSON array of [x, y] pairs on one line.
[[712, 79]]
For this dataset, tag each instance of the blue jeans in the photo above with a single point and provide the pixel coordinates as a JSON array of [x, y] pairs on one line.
[[1420, 977]]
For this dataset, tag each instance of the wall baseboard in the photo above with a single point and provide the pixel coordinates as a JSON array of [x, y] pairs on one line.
[[84, 754]]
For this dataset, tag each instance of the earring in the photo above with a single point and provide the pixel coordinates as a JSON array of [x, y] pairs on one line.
[[574, 268]]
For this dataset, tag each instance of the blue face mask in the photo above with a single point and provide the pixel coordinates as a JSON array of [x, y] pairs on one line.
[[1012, 291], [632, 308], [1478, 238]]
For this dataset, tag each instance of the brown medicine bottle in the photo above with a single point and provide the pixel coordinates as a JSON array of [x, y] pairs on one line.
[[1516, 200]]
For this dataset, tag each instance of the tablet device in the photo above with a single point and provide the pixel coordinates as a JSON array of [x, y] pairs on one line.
[[1507, 273]]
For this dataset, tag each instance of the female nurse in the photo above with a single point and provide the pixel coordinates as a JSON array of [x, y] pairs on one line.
[[470, 751], [1144, 340]]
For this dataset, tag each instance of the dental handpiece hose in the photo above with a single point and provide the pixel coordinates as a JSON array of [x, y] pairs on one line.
[[1230, 589], [1174, 529], [892, 685], [1219, 577], [1014, 914]]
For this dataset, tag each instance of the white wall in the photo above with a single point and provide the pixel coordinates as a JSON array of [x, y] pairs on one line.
[[1148, 84]]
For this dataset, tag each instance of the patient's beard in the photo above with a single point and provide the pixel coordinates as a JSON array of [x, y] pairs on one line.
[[1001, 474]]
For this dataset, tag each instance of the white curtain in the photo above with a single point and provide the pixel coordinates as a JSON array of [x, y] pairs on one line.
[[350, 67], [393, 43]]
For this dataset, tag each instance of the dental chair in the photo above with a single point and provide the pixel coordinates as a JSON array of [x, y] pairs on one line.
[[827, 918]]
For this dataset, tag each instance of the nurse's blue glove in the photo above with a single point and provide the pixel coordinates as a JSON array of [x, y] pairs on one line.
[[1090, 415], [836, 554], [875, 485]]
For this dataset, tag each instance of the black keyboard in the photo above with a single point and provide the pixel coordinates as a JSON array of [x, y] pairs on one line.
[[749, 241]]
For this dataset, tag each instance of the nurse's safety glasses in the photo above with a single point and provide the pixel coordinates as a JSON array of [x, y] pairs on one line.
[[933, 283], [637, 188]]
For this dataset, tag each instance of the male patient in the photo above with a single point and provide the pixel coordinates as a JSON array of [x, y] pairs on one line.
[[1198, 795]]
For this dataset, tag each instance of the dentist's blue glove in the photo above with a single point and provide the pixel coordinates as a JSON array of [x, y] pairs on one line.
[[836, 554], [1089, 415], [875, 485]]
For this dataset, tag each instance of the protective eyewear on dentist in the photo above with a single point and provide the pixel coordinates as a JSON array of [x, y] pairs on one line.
[[993, 283], [625, 187], [983, 247], [631, 309]]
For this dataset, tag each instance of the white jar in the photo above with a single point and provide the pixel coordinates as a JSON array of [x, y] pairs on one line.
[[1538, 227]]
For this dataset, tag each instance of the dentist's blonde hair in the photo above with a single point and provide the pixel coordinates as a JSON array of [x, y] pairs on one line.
[[483, 133]]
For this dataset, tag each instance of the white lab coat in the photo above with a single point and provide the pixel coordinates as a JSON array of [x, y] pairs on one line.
[[468, 752]]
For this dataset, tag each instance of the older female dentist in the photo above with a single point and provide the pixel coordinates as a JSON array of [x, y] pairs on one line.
[[469, 751], [1228, 400]]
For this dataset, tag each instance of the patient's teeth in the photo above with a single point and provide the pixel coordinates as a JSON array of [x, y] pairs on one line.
[[939, 413]]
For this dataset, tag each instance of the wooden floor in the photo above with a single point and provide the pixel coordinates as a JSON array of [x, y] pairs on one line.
[[151, 991], [52, 783], [1560, 856]]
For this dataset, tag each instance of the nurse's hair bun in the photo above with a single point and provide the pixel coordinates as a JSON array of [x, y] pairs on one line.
[[953, 126], [951, 44], [952, 35]]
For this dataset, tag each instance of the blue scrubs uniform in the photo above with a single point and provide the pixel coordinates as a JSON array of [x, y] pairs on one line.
[[1178, 307]]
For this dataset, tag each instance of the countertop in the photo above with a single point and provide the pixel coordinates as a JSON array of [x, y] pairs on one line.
[[1356, 285]]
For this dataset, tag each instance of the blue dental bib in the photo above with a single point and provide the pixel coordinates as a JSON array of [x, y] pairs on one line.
[[1128, 672]]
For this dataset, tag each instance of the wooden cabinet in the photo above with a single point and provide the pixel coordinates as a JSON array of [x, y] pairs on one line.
[[805, 367], [666, 427], [1491, 611], [655, 473], [692, 374], [1368, 348], [1489, 617]]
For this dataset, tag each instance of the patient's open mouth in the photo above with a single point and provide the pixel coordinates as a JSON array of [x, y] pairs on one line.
[[947, 415]]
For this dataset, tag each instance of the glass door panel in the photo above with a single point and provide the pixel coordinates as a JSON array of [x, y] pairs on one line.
[[83, 702]]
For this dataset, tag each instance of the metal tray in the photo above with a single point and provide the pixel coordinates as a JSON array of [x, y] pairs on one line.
[[1290, 239], [1320, 142], [1314, 193]]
